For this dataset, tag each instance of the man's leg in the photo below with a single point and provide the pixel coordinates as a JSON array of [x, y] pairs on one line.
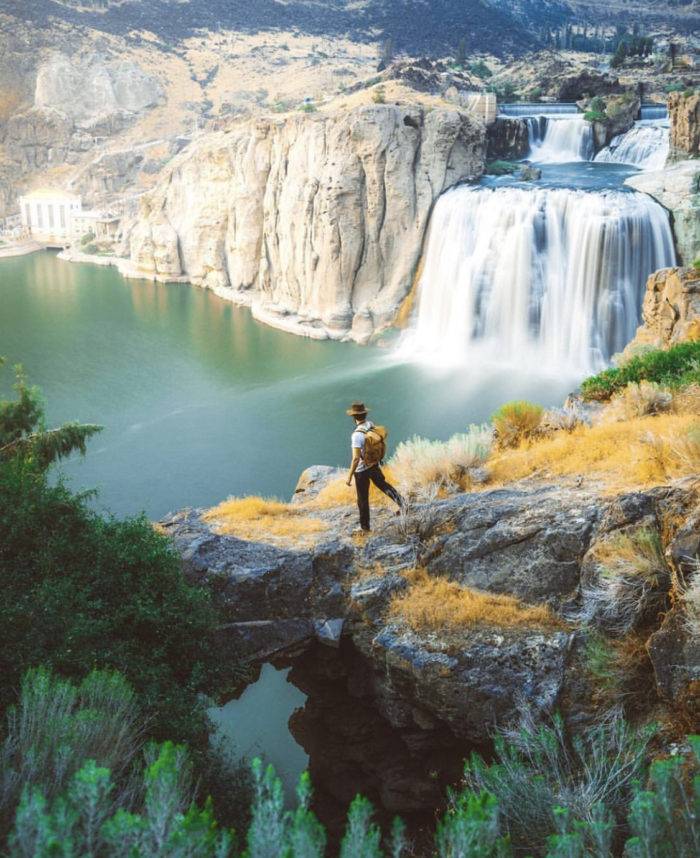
[[362, 488], [379, 480]]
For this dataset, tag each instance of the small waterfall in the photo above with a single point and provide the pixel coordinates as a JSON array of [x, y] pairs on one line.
[[644, 146], [552, 277], [563, 141], [535, 108], [653, 111]]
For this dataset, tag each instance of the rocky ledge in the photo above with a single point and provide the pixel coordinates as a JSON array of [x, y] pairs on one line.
[[534, 541], [315, 220]]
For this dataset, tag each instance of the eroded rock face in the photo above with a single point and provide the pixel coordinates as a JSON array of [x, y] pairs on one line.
[[677, 188], [315, 221], [88, 88], [684, 117], [507, 138], [671, 309]]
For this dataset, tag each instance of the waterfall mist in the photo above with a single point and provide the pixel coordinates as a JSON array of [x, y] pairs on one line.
[[546, 277]]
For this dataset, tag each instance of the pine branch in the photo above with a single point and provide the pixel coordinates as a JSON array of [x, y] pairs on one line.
[[47, 447]]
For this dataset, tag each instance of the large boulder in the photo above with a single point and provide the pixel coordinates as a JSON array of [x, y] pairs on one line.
[[316, 220], [507, 138], [677, 188]]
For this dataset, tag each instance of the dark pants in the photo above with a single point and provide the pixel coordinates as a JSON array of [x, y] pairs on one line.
[[362, 481]]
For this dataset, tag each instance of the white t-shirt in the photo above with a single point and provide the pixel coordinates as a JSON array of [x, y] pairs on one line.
[[357, 442]]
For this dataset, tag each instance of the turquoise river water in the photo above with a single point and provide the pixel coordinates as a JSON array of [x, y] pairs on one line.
[[200, 402]]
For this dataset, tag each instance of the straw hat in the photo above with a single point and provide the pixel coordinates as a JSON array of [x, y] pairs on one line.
[[357, 409]]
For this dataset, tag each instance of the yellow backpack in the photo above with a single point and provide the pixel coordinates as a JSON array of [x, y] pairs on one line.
[[375, 445]]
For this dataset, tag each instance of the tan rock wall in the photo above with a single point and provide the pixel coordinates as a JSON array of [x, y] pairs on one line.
[[684, 116], [317, 221], [671, 310]]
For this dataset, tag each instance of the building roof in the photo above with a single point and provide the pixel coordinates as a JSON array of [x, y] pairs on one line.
[[48, 193]]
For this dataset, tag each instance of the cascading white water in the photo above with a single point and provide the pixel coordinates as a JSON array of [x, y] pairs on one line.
[[560, 141], [645, 146], [537, 108], [653, 111], [547, 277]]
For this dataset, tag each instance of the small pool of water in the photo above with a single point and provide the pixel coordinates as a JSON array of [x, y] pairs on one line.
[[257, 725], [581, 175]]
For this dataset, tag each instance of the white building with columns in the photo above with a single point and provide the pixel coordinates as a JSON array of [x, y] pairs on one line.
[[50, 216]]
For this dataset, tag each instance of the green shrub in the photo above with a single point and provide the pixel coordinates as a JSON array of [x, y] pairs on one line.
[[674, 87], [688, 92], [87, 238], [597, 104], [696, 264], [594, 116], [83, 591], [308, 107], [675, 367], [665, 818], [502, 168], [480, 69], [540, 769], [379, 95], [516, 421]]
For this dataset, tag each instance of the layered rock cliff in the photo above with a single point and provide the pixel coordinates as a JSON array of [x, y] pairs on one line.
[[316, 221], [671, 310], [684, 117], [435, 689]]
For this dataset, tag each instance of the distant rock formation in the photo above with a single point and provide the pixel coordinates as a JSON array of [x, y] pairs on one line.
[[316, 221], [684, 115]]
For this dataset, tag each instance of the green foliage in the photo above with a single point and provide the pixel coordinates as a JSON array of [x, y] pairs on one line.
[[674, 87], [597, 103], [540, 769], [23, 435], [87, 238], [480, 69], [83, 821], [379, 95], [471, 828], [516, 421], [696, 264], [308, 107], [594, 116], [502, 168], [665, 818], [362, 837], [675, 367]]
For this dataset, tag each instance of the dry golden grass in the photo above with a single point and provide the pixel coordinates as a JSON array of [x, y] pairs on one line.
[[633, 454], [637, 552], [264, 520], [436, 604], [638, 400]]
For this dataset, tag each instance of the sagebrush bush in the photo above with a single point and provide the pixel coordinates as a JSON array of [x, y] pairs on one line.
[[639, 400], [675, 367], [540, 768], [515, 422], [420, 465]]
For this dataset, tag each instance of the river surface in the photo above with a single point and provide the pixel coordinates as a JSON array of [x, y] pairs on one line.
[[199, 401]]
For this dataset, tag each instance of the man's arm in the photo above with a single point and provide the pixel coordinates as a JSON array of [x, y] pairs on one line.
[[356, 456]]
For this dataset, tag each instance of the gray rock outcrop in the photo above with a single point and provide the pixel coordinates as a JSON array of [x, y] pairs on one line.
[[316, 221], [677, 188]]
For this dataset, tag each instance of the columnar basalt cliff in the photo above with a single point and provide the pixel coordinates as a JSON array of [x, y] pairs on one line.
[[315, 220]]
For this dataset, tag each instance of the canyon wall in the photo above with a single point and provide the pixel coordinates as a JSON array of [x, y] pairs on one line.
[[316, 220], [684, 116]]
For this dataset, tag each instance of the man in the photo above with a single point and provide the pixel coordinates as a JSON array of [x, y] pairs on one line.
[[368, 449]]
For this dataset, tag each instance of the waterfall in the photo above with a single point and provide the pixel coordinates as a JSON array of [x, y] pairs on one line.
[[653, 111], [551, 277], [563, 140], [644, 146], [534, 108]]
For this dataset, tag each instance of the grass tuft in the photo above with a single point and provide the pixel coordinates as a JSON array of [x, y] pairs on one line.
[[263, 519], [436, 604]]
